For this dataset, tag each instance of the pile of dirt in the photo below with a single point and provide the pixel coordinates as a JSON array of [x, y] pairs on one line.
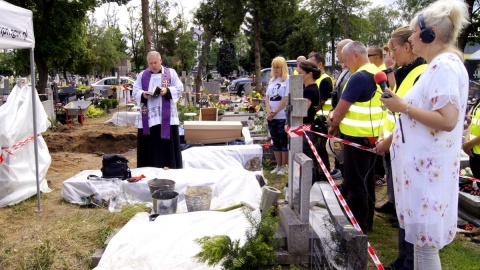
[[94, 136], [75, 148]]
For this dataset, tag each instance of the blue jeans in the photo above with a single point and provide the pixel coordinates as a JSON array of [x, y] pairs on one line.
[[276, 127]]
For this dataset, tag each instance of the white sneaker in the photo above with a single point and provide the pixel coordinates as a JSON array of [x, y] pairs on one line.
[[282, 170], [276, 169]]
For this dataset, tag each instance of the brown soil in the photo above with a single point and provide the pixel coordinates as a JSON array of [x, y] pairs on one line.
[[75, 147]]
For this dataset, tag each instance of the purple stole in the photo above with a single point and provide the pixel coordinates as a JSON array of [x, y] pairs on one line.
[[166, 104]]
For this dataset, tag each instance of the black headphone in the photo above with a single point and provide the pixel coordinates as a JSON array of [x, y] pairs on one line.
[[427, 35]]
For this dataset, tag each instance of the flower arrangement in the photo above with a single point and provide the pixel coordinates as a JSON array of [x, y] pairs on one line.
[[221, 106], [257, 94], [250, 108], [114, 88]]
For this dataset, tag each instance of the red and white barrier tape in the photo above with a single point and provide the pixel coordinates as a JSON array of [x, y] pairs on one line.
[[218, 95], [470, 178], [293, 132], [9, 150], [356, 145], [355, 224]]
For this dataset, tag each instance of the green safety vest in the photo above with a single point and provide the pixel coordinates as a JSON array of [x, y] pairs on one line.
[[475, 127], [328, 103], [407, 84], [363, 118]]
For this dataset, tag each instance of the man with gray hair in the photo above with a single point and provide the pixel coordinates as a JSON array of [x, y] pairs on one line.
[[300, 59], [357, 118], [157, 90]]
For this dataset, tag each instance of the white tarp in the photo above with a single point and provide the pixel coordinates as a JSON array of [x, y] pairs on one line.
[[16, 27], [230, 186], [168, 242], [220, 157], [17, 161]]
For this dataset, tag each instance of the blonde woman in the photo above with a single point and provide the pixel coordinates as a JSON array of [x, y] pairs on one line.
[[402, 79], [426, 165], [275, 102]]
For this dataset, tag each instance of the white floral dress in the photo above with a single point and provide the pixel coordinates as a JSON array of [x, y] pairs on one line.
[[426, 167]]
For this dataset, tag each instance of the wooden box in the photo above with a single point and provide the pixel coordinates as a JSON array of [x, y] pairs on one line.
[[212, 131]]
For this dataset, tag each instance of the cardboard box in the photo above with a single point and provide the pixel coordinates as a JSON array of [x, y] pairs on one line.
[[212, 131], [208, 114]]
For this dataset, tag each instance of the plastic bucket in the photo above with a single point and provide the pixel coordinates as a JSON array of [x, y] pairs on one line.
[[161, 184], [165, 202], [198, 198]]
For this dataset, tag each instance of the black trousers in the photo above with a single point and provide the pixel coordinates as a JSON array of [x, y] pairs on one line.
[[153, 151], [358, 182], [475, 165]]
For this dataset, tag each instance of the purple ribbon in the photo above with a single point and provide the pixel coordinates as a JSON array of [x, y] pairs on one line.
[[166, 105]]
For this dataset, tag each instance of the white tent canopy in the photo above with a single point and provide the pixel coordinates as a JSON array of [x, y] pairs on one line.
[[16, 32], [16, 27]]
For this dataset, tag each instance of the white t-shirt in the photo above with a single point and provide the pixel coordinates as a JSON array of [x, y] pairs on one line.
[[276, 91]]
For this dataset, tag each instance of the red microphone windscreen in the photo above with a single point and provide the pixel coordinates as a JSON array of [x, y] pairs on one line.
[[380, 77]]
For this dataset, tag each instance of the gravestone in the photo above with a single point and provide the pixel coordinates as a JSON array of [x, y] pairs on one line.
[[213, 88], [294, 216]]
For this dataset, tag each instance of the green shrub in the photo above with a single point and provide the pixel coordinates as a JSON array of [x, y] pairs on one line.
[[113, 103]]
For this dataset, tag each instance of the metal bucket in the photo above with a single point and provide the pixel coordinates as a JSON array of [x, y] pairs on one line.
[[198, 198], [165, 202], [161, 184]]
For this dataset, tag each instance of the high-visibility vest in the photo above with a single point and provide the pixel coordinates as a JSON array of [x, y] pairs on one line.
[[363, 118], [407, 84], [475, 127], [327, 106]]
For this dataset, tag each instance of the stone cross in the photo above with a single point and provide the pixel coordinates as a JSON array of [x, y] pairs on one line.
[[298, 187], [294, 218]]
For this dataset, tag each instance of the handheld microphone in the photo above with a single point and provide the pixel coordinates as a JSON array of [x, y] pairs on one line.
[[381, 79]]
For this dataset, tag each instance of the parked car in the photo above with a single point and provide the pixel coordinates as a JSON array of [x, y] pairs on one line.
[[105, 83], [236, 87]]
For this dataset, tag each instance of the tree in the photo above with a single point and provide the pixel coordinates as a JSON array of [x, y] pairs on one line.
[[338, 20], [381, 18], [409, 8], [185, 51], [58, 27], [147, 38], [267, 11], [134, 34], [219, 18], [227, 60], [303, 39]]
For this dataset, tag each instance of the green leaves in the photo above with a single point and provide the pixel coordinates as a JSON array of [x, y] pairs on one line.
[[257, 252]]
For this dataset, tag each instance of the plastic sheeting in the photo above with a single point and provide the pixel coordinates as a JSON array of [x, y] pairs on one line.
[[230, 186], [220, 157], [168, 242], [17, 169]]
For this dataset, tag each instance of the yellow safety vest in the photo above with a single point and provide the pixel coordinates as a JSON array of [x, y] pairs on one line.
[[328, 103], [363, 118], [407, 84], [475, 127]]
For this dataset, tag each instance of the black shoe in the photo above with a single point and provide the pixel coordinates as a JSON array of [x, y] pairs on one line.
[[387, 208], [395, 265]]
